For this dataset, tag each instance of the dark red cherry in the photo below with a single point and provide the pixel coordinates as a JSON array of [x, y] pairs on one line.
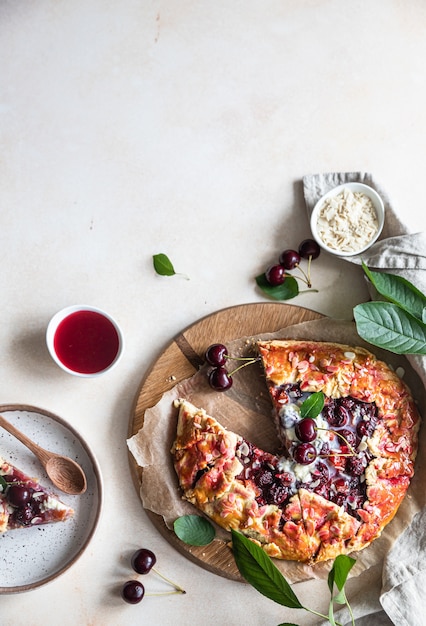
[[309, 248], [18, 495], [342, 415], [289, 259], [277, 494], [25, 514], [365, 428], [321, 474], [348, 402], [132, 591], [337, 415], [143, 561], [339, 498], [219, 379], [362, 429], [304, 453], [306, 430], [275, 275], [216, 354], [346, 437], [367, 409], [355, 466]]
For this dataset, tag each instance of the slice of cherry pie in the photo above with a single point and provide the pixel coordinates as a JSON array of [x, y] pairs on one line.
[[25, 503]]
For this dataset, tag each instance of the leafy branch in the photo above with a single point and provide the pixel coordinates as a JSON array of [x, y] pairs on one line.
[[260, 571], [398, 323]]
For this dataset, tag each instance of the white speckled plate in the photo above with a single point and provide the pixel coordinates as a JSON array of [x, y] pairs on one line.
[[34, 556]]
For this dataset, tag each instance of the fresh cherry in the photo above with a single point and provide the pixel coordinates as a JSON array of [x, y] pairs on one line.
[[304, 453], [275, 275], [289, 259], [220, 379], [306, 430], [143, 561], [216, 354], [309, 249], [132, 592]]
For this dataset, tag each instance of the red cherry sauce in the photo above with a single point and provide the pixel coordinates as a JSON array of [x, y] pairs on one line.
[[86, 342]]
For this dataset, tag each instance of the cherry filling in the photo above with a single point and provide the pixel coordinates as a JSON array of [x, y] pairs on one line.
[[24, 499], [327, 455], [273, 486]]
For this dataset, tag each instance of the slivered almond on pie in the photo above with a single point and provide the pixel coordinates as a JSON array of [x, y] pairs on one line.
[[25, 503], [337, 479]]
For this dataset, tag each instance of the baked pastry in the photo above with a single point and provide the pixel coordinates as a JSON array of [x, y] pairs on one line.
[[335, 483], [24, 502], [365, 455]]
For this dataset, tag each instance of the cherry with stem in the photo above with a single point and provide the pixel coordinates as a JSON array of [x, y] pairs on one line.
[[143, 561]]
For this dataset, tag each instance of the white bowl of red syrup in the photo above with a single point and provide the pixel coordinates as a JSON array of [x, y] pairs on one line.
[[84, 341]]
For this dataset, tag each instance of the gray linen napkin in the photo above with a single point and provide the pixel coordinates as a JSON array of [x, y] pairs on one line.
[[403, 593]]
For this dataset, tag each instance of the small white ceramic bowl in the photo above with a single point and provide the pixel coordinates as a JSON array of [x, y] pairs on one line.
[[84, 341], [354, 188]]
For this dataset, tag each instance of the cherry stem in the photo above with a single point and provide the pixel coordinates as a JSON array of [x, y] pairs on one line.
[[307, 276], [248, 361], [164, 593], [353, 452], [177, 587], [327, 456], [309, 269]]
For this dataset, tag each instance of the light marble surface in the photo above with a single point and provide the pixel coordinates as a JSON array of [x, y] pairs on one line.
[[131, 128]]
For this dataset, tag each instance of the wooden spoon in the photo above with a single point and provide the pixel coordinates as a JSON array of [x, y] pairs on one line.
[[65, 474]]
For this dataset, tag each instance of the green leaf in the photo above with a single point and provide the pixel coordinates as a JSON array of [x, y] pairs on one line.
[[194, 530], [3, 484], [313, 405], [339, 572], [387, 326], [398, 290], [163, 265], [289, 288], [259, 570], [337, 576]]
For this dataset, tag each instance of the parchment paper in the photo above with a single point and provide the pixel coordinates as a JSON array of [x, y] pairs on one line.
[[247, 410]]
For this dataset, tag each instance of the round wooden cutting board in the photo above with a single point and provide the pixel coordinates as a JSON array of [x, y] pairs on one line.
[[183, 356]]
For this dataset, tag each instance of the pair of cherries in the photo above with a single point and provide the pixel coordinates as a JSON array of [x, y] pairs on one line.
[[143, 561], [219, 377], [217, 356]]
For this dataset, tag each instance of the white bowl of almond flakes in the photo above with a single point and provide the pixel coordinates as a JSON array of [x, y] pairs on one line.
[[348, 219]]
